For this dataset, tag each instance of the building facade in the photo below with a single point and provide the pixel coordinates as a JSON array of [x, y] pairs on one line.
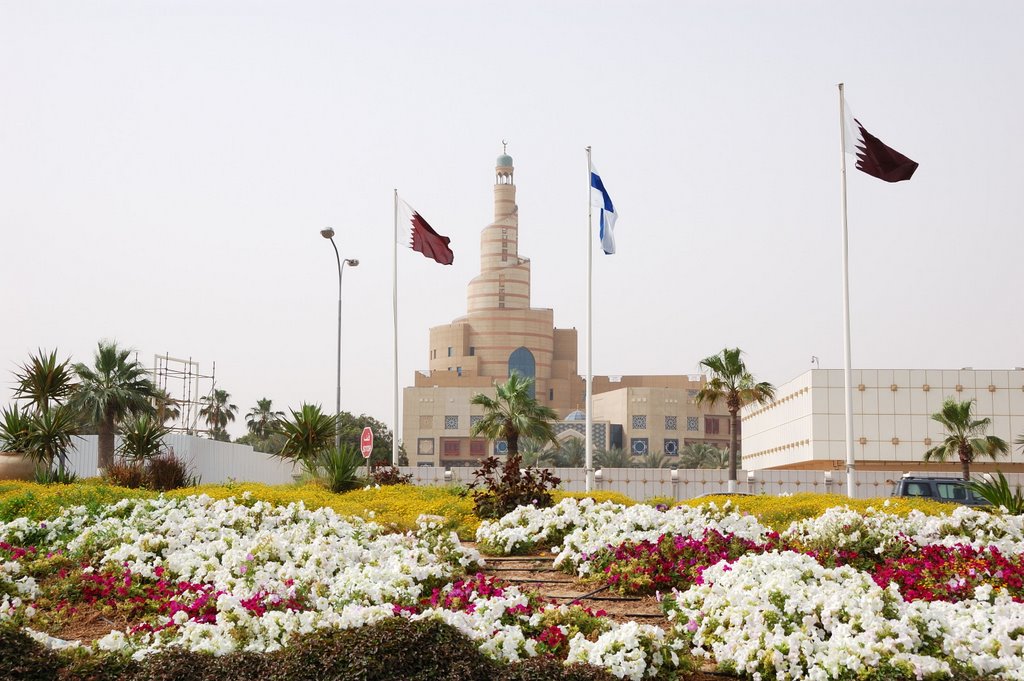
[[502, 333], [805, 427]]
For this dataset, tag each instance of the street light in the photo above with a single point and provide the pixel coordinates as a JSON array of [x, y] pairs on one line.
[[328, 234]]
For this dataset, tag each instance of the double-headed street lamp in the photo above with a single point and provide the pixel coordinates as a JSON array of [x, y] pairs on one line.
[[328, 233]]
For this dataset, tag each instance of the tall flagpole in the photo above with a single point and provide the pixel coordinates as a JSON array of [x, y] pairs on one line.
[[847, 365], [394, 308], [590, 328]]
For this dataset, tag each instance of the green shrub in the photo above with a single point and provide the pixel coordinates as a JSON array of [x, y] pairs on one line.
[[338, 468], [167, 472], [500, 488], [22, 659]]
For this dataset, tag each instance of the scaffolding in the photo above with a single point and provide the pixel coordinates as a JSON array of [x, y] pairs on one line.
[[182, 381]]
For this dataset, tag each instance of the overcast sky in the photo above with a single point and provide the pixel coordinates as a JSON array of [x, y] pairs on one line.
[[165, 169]]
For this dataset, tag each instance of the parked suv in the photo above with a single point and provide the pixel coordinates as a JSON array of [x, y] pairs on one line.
[[953, 490]]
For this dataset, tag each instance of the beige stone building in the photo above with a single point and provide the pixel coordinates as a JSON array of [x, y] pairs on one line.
[[501, 333]]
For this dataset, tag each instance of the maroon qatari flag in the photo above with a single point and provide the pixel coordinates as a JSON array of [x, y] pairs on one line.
[[876, 158], [430, 243]]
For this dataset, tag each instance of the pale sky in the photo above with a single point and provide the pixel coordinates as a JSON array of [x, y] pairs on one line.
[[165, 169]]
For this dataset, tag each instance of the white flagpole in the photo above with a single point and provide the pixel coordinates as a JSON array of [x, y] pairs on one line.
[[847, 362], [590, 328], [394, 308]]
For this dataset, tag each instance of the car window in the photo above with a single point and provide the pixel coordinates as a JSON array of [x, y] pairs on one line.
[[917, 489], [951, 491]]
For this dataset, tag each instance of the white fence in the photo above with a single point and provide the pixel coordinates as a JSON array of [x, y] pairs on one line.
[[647, 483], [217, 462], [213, 461]]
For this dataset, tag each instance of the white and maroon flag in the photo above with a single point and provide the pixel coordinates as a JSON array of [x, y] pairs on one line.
[[874, 157]]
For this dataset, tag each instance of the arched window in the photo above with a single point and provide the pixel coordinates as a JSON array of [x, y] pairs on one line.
[[522, 362]]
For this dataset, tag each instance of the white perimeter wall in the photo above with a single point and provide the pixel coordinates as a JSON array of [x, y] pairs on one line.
[[214, 461]]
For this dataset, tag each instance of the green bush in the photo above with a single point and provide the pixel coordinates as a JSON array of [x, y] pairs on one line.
[[22, 659]]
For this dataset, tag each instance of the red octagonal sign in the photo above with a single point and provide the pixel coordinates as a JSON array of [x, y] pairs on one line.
[[366, 442]]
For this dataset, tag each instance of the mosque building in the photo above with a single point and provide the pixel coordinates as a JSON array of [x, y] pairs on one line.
[[501, 333]]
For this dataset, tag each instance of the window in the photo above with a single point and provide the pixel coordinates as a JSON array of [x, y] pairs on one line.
[[451, 422], [671, 447], [449, 351], [426, 422], [452, 447], [458, 371], [638, 446], [692, 423], [478, 447], [671, 423], [551, 394], [950, 492], [640, 422], [710, 425], [473, 420], [522, 362], [472, 350], [425, 446]]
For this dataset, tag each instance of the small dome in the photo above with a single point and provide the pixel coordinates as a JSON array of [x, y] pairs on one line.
[[504, 161], [576, 416]]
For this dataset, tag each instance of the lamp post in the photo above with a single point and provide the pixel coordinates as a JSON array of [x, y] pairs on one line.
[[328, 234]]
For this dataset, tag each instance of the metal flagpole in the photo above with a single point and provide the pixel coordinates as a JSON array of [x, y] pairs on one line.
[[847, 366], [590, 328], [394, 308]]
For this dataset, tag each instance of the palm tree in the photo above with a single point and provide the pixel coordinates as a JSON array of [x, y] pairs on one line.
[[704, 455], [114, 387], [616, 457], [261, 419], [218, 412], [654, 460], [308, 434], [570, 454], [43, 380], [512, 414], [167, 408], [732, 383], [965, 436]]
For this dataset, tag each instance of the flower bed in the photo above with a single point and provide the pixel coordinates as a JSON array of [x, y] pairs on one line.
[[845, 595]]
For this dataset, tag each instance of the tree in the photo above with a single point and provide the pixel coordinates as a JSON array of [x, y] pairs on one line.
[[308, 433], [218, 412], [514, 413], [261, 418], [166, 407], [142, 437], [614, 457], [44, 430], [114, 387], [965, 436], [704, 455], [654, 460], [571, 453], [352, 428], [732, 383]]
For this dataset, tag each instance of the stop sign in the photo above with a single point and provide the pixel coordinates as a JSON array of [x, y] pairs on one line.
[[366, 442]]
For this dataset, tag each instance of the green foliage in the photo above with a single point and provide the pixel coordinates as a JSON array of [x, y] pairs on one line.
[[615, 457], [731, 382], [114, 387], [46, 475], [997, 492], [15, 429], [338, 468], [514, 413], [261, 419], [307, 434], [44, 381], [166, 472], [704, 455], [123, 473], [218, 412], [142, 437], [271, 444], [499, 488], [352, 428], [965, 436]]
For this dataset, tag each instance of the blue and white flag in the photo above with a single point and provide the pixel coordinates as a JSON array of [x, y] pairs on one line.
[[599, 197]]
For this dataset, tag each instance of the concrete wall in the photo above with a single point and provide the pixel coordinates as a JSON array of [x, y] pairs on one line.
[[214, 461], [646, 483]]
